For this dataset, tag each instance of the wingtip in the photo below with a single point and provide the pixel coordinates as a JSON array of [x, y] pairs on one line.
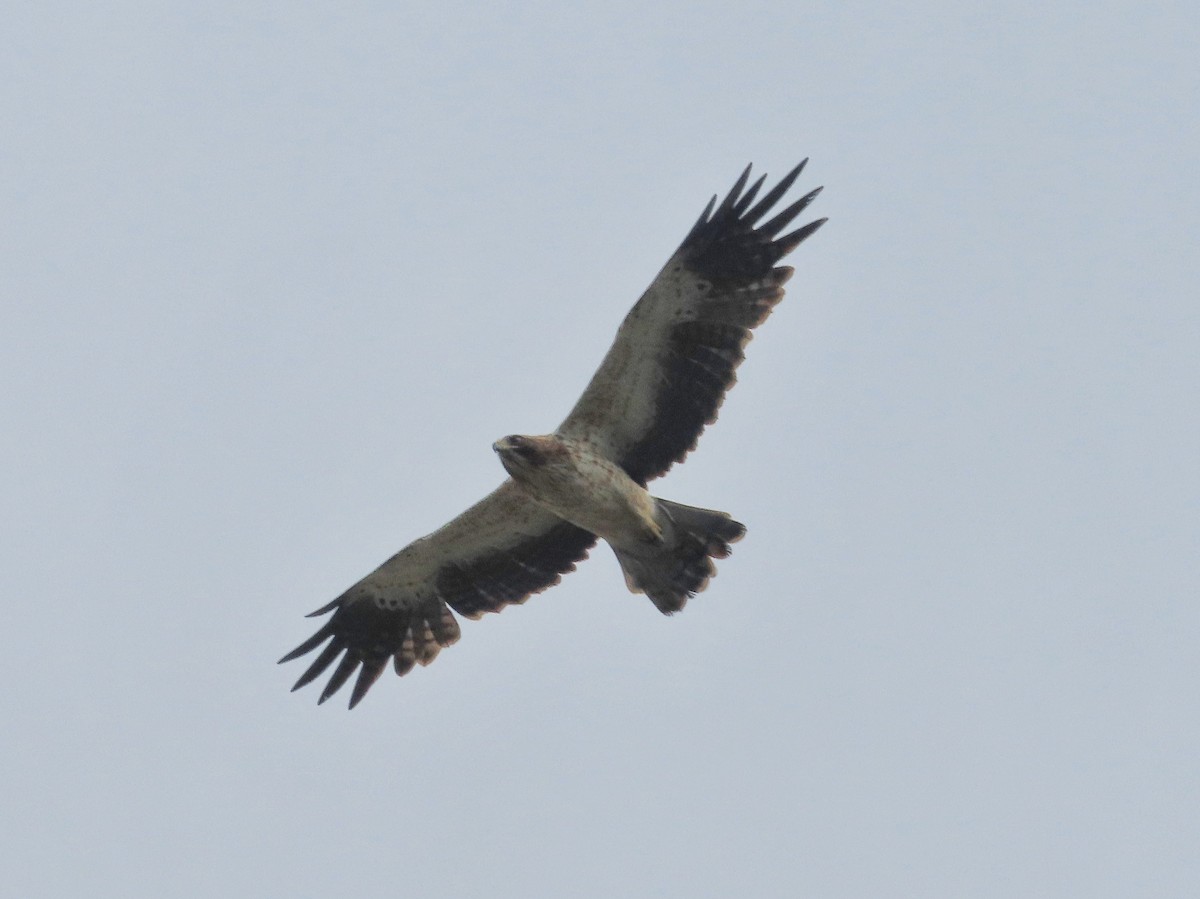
[[789, 242], [740, 207], [325, 609], [704, 218], [304, 680], [310, 644], [774, 195], [358, 695], [735, 192]]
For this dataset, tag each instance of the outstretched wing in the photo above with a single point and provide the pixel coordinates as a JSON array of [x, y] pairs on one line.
[[500, 551], [674, 358]]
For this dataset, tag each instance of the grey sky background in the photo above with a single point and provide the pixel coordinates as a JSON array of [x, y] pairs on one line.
[[274, 277]]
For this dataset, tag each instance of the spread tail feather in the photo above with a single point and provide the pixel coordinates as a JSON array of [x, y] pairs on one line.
[[681, 564]]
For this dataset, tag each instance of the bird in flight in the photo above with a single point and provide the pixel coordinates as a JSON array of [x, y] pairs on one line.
[[662, 381]]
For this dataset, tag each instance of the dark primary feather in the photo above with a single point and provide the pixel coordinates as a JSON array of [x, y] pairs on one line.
[[658, 387], [736, 258], [367, 630], [369, 634]]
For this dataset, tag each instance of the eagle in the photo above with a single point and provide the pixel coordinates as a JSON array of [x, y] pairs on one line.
[[662, 381]]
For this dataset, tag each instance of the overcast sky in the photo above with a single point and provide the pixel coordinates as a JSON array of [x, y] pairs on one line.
[[274, 277]]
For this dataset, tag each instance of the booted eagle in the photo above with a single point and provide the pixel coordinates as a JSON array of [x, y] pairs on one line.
[[662, 382]]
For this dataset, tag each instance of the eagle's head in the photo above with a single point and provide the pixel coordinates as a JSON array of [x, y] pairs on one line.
[[520, 450], [520, 454]]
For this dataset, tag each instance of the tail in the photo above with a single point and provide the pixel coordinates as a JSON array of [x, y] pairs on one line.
[[679, 567]]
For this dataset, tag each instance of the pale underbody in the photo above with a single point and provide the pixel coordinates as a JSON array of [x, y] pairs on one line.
[[659, 386], [574, 482]]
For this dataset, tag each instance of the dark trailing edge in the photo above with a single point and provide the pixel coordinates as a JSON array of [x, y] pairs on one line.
[[369, 629], [737, 257], [490, 583], [735, 260]]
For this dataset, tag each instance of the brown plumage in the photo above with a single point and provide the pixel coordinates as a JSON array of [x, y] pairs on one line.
[[660, 384]]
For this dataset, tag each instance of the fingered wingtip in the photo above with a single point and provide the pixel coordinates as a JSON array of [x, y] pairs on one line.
[[789, 242], [300, 650], [731, 198], [325, 609]]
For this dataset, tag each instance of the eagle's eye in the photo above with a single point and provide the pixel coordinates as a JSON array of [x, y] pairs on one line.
[[526, 449]]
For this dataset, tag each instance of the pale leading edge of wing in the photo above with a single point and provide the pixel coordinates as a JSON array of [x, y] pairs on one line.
[[500, 551], [675, 355]]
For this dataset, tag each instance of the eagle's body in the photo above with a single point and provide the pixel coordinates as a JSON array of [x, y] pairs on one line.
[[578, 485], [662, 381]]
